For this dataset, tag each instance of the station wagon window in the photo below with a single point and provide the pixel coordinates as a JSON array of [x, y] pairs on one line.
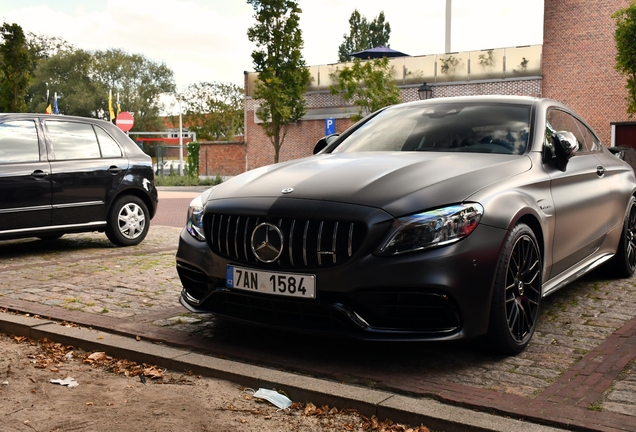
[[19, 142], [107, 144], [73, 140]]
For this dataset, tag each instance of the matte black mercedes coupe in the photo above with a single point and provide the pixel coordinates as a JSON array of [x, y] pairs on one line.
[[434, 220]]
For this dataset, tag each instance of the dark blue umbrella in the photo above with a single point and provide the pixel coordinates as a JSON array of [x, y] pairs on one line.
[[378, 52]]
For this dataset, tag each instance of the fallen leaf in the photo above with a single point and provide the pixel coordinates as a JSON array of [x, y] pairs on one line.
[[89, 403], [97, 356], [138, 338], [99, 337]]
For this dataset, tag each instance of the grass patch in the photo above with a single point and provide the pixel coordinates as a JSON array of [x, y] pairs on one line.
[[72, 300], [105, 310]]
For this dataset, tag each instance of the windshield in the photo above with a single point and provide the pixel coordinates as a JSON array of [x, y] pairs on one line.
[[447, 127]]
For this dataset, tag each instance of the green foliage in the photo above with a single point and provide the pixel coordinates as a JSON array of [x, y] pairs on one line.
[[70, 74], [214, 110], [364, 35], [177, 180], [139, 82], [449, 65], [82, 80], [486, 60], [282, 72], [369, 84], [626, 51], [15, 68], [192, 163]]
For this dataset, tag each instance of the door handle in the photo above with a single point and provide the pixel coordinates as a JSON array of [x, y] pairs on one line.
[[600, 171], [114, 170], [39, 174]]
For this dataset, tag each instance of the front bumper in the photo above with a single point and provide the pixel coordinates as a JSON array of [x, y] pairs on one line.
[[439, 294]]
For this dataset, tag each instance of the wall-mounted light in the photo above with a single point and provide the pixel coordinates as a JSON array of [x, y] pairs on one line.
[[425, 91]]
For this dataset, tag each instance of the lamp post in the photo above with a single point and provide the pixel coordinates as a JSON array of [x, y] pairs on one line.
[[425, 91], [180, 138]]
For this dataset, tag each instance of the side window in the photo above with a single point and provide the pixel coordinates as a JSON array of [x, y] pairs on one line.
[[19, 142], [592, 142], [72, 140], [562, 121], [108, 145]]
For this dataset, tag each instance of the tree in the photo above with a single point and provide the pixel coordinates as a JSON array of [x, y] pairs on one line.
[[70, 74], [15, 64], [626, 51], [364, 35], [83, 79], [282, 74], [369, 84], [139, 82], [43, 46], [214, 110]]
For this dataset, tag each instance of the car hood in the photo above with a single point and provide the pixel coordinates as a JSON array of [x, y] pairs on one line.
[[399, 183]]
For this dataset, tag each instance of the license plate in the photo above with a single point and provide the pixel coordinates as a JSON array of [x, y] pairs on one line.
[[276, 283]]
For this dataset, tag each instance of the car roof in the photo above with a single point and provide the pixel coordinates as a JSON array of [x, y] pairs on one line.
[[121, 137]]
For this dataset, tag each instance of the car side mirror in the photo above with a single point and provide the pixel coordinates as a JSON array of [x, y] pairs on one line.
[[565, 146], [324, 142]]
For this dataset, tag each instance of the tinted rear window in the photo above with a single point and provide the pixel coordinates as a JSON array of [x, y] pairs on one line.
[[18, 142]]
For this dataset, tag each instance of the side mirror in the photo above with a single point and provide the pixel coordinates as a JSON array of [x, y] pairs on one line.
[[565, 146], [324, 142]]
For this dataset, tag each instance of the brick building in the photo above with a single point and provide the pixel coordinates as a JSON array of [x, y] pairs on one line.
[[578, 62], [575, 65]]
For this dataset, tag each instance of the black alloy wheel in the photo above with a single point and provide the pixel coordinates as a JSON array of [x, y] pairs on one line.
[[517, 292], [624, 262]]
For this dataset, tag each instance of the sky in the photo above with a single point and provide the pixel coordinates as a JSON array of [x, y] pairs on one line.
[[206, 40]]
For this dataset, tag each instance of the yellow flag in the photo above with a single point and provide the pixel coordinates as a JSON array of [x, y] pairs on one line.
[[48, 103], [110, 105]]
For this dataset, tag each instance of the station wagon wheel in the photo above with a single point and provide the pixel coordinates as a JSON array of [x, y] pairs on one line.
[[624, 262], [128, 221], [517, 292]]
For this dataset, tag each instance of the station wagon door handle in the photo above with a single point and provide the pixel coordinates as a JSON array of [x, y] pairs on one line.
[[600, 171], [114, 170], [39, 174]]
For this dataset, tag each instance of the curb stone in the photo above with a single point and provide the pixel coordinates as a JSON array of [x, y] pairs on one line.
[[398, 408]]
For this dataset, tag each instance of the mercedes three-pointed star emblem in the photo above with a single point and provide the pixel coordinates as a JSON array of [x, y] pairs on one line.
[[267, 242]]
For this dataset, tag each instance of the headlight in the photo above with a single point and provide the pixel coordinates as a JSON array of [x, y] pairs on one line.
[[194, 224], [430, 229]]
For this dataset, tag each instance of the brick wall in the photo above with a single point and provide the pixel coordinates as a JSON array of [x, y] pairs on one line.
[[578, 60], [299, 140], [221, 158], [525, 87]]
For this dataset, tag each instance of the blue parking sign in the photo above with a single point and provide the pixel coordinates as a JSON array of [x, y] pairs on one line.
[[330, 126]]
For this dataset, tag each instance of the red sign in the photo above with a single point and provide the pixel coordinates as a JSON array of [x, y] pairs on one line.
[[125, 121]]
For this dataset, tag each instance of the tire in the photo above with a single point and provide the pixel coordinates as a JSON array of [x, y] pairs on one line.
[[128, 221], [624, 262], [517, 293]]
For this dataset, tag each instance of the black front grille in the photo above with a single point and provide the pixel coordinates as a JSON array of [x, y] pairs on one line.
[[307, 243]]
